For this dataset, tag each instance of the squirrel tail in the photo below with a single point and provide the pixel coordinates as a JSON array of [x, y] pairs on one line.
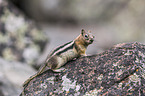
[[35, 75]]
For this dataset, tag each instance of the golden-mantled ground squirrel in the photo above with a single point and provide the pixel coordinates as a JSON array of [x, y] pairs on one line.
[[62, 54]]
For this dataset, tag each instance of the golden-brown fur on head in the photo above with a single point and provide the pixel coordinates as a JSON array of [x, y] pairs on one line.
[[82, 41], [87, 37]]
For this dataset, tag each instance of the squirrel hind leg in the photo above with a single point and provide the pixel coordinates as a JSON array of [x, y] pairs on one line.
[[59, 70]]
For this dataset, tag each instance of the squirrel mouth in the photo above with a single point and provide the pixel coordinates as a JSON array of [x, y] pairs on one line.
[[91, 41]]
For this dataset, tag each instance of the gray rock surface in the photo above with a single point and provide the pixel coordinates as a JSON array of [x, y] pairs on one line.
[[117, 71], [12, 76], [20, 39]]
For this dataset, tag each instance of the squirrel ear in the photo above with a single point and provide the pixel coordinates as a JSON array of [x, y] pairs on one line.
[[89, 31], [83, 31]]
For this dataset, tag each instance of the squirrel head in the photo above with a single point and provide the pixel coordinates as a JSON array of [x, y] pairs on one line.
[[87, 36]]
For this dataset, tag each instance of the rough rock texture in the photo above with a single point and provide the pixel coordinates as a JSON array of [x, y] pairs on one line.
[[117, 71], [20, 39]]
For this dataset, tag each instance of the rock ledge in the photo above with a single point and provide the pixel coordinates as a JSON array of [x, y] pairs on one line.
[[117, 71]]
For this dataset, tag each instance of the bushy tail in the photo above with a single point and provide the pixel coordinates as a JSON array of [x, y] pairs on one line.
[[35, 75]]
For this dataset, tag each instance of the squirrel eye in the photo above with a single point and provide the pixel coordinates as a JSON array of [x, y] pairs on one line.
[[86, 36]]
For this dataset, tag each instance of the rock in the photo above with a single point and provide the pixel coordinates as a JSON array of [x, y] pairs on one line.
[[117, 71], [12, 76], [19, 35], [20, 41]]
